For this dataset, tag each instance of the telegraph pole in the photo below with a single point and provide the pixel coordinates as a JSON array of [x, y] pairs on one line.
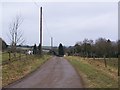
[[40, 30]]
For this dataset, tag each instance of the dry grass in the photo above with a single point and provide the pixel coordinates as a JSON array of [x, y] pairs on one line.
[[18, 69]]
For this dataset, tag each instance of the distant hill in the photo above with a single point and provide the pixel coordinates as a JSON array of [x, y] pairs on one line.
[[3, 45]]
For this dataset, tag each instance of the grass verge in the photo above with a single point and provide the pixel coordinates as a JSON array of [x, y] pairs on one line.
[[20, 68], [94, 74]]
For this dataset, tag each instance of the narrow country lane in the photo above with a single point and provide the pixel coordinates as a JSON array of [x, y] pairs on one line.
[[55, 73]]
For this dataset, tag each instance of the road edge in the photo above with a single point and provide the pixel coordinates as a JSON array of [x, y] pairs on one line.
[[26, 76], [81, 77]]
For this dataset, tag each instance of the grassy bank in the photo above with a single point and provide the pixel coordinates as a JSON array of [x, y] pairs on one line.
[[20, 68], [94, 73]]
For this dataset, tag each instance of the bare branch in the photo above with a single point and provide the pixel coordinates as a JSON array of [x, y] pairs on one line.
[[16, 35]]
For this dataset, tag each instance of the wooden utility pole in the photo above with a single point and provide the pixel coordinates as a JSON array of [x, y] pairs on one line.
[[40, 30]]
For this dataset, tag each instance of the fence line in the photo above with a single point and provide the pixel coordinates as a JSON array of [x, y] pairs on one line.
[[11, 57]]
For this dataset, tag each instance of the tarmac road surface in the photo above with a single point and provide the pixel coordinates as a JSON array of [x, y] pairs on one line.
[[55, 73]]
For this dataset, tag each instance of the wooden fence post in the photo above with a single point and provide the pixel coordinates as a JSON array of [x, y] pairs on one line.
[[14, 53], [26, 56], [105, 61], [9, 56], [119, 66], [20, 56]]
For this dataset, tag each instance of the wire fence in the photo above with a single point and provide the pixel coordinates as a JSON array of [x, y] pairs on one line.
[[9, 57]]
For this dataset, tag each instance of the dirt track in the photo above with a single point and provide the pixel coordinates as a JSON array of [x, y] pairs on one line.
[[55, 73]]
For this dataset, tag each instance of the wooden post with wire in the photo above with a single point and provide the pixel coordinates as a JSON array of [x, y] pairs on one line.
[[40, 30]]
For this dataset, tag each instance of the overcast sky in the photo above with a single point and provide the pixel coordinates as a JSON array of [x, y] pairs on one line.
[[66, 22]]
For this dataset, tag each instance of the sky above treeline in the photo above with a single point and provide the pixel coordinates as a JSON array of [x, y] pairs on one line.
[[66, 22]]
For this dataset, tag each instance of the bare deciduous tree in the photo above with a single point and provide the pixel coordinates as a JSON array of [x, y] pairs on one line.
[[16, 35]]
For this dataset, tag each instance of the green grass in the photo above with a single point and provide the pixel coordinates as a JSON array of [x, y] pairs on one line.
[[5, 56], [20, 68], [94, 74]]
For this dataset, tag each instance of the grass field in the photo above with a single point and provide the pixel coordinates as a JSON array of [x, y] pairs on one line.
[[20, 68], [94, 73], [112, 62], [5, 56]]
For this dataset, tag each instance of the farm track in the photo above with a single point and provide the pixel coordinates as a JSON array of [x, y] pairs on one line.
[[55, 73]]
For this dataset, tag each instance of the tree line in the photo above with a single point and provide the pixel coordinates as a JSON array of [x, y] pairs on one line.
[[58, 52], [100, 48]]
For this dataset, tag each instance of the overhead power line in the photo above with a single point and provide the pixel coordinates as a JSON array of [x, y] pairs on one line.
[[46, 26]]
